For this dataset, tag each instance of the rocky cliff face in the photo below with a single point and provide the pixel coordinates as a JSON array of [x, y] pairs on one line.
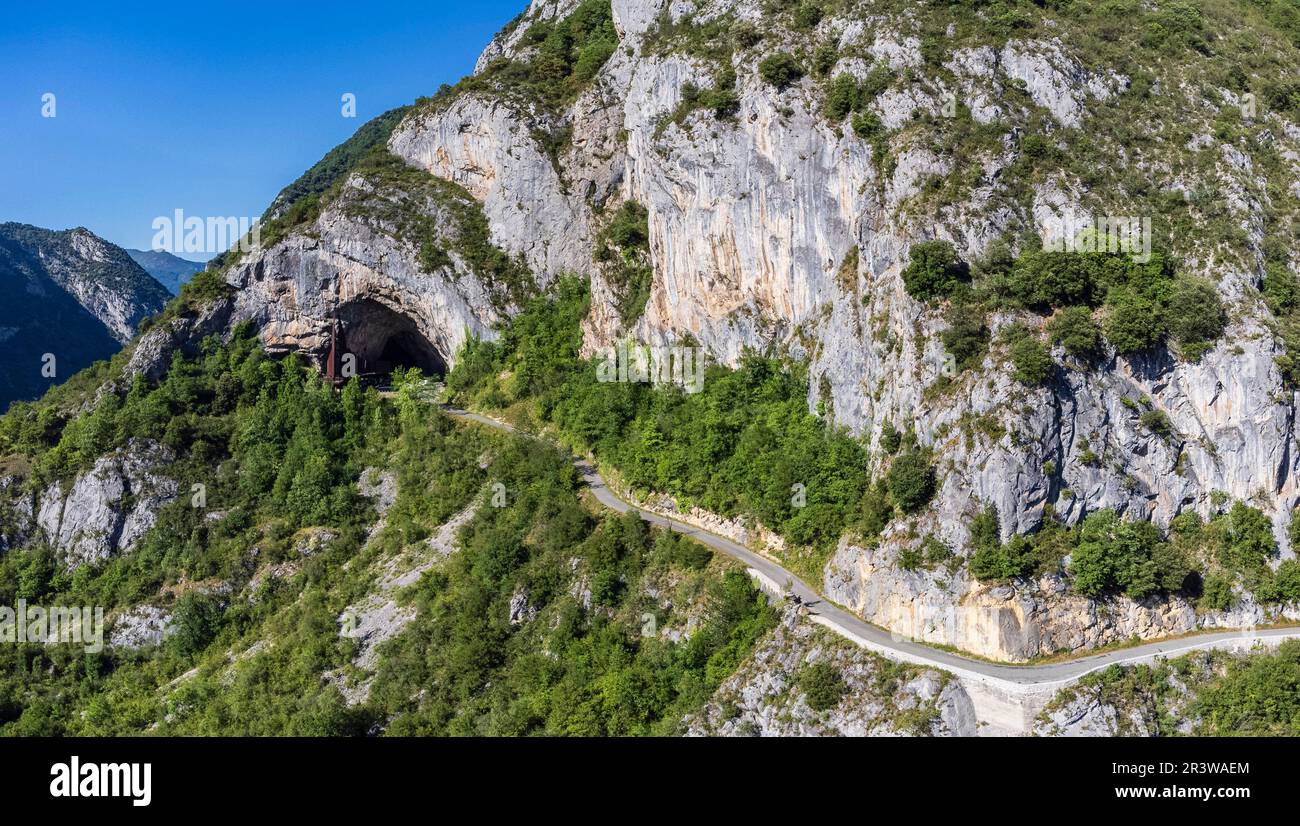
[[109, 508], [773, 226], [751, 219], [1019, 621], [70, 295], [104, 511], [770, 695], [356, 264]]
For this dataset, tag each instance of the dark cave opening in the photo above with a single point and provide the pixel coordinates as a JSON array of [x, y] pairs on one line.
[[379, 340]]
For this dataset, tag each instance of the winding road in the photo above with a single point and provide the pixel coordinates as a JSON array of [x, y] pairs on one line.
[[777, 579]]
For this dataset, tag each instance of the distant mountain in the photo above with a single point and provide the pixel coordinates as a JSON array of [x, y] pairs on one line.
[[68, 294], [170, 270]]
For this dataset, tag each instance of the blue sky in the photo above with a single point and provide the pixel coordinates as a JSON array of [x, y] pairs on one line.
[[206, 107]]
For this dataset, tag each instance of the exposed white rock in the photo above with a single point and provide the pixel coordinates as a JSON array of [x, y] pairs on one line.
[[1085, 716], [140, 627], [356, 267], [1052, 79], [380, 615], [488, 148], [764, 698], [108, 508], [749, 222]]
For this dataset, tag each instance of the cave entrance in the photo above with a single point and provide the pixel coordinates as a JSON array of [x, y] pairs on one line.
[[380, 340]]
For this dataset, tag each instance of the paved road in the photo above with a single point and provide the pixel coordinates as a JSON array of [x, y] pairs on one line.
[[892, 645]]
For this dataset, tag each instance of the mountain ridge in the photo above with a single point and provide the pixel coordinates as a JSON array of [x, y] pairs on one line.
[[170, 270], [91, 292]]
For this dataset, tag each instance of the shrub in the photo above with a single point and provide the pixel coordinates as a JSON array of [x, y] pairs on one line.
[[823, 686], [780, 69], [674, 549], [936, 551], [967, 337], [868, 126], [1173, 568], [1293, 530], [1287, 581], [911, 559], [1217, 593], [1195, 316], [890, 439], [1281, 290], [875, 510], [1032, 362], [933, 270], [996, 562], [843, 97], [1246, 543], [1132, 323], [1054, 279], [824, 59], [807, 16], [1158, 423], [1254, 696], [1075, 331], [880, 78], [746, 35], [1115, 554], [911, 481], [629, 229], [196, 622]]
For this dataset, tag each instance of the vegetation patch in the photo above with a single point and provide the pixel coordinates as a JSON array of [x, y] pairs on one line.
[[745, 446]]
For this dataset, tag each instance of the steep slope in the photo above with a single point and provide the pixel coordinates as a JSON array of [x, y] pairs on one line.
[[274, 557], [1010, 450], [789, 156], [891, 195], [792, 164], [169, 270], [68, 294], [752, 215]]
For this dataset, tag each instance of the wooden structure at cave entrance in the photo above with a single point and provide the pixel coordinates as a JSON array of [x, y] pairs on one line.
[[338, 371]]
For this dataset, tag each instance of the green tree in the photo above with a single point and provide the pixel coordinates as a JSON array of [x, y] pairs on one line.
[[1195, 315], [1281, 289], [1030, 358], [780, 69], [1075, 331], [911, 480], [1114, 554], [933, 270], [196, 621], [967, 337], [1132, 323], [843, 97], [1217, 593], [1246, 542]]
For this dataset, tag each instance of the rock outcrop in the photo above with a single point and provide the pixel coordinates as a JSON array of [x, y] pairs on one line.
[[107, 509], [765, 698], [355, 265], [1018, 622]]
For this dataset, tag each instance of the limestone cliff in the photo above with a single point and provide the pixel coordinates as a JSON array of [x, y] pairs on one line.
[[775, 226]]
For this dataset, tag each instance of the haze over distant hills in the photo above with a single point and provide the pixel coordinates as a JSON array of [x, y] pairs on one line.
[[69, 294], [171, 271]]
